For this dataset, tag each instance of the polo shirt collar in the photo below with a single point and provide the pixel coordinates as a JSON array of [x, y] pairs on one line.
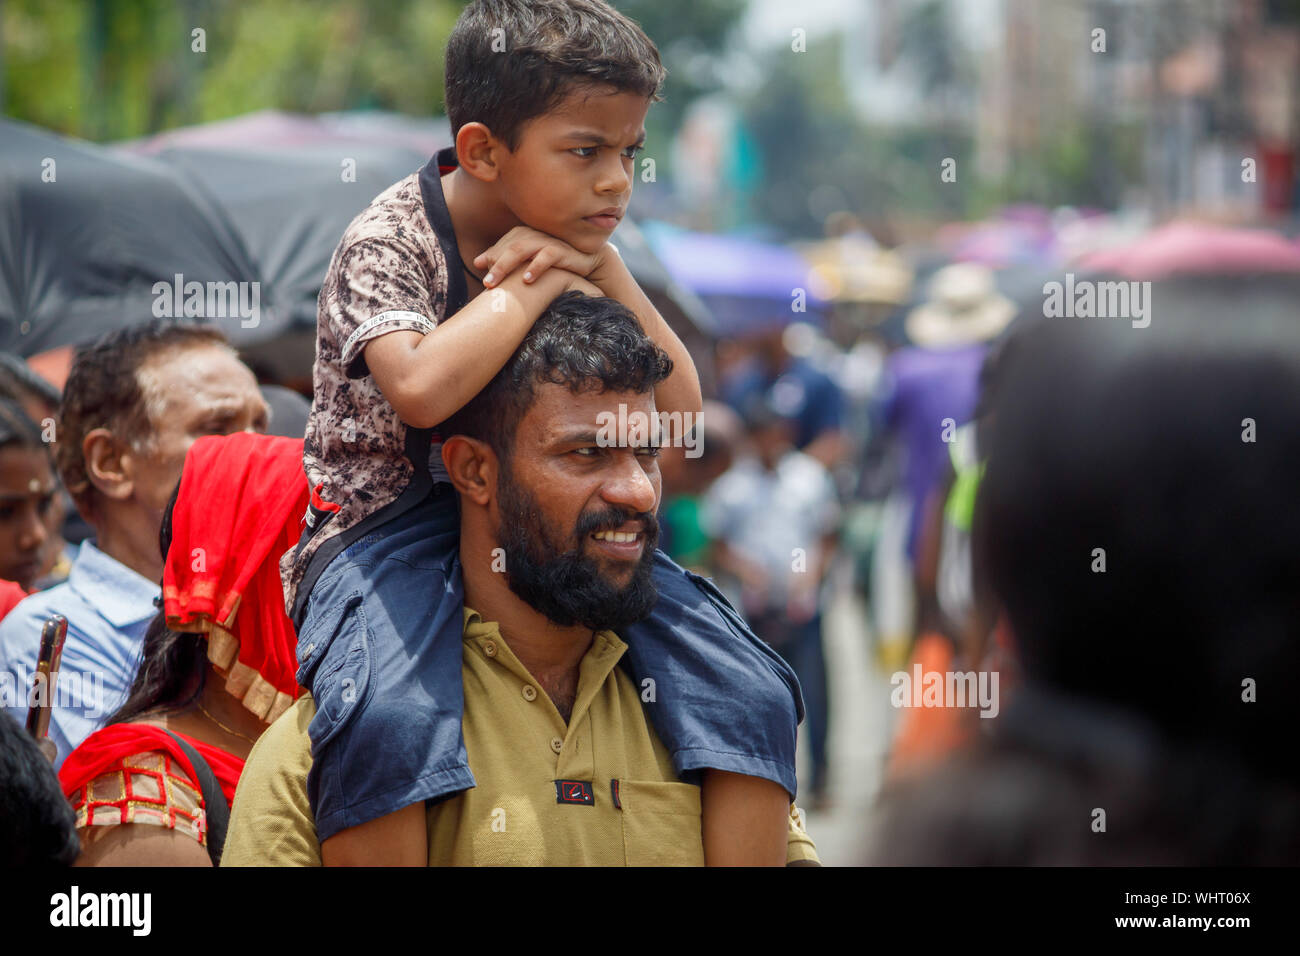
[[121, 596]]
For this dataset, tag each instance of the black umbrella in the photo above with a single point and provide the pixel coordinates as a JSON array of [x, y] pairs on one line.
[[93, 240]]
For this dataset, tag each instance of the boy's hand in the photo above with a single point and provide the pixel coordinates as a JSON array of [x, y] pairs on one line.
[[579, 284], [540, 251]]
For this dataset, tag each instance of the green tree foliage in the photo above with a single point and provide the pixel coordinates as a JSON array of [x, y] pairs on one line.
[[115, 69]]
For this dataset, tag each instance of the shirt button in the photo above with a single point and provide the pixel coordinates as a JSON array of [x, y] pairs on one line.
[[529, 692], [490, 648], [557, 744]]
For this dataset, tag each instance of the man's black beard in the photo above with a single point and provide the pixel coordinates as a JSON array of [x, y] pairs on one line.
[[567, 586]]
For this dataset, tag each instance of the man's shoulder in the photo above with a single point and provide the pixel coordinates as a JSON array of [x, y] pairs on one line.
[[20, 630]]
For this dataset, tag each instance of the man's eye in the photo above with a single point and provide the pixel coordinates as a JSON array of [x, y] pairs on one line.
[[45, 504], [587, 451], [631, 151], [586, 152], [7, 512]]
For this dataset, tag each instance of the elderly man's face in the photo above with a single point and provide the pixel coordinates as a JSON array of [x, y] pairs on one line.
[[577, 520], [191, 392]]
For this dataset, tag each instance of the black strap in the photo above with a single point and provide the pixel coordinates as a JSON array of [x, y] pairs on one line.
[[215, 807], [418, 440]]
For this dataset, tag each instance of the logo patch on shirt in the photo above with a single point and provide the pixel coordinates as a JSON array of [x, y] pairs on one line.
[[574, 791]]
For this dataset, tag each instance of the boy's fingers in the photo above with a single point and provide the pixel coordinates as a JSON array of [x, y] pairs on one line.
[[511, 256], [541, 262]]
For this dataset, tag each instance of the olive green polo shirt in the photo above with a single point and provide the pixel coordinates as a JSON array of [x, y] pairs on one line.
[[599, 791]]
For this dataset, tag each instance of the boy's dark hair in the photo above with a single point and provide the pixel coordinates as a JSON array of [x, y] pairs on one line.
[[550, 46], [37, 824], [104, 391], [586, 343]]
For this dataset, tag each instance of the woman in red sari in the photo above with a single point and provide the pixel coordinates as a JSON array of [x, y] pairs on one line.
[[217, 665]]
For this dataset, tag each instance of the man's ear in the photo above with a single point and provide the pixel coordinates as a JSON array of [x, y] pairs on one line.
[[472, 465], [109, 464], [478, 151]]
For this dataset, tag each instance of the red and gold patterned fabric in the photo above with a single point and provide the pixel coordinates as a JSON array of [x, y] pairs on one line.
[[136, 773]]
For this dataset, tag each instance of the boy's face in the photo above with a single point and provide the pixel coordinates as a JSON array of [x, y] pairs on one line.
[[571, 173]]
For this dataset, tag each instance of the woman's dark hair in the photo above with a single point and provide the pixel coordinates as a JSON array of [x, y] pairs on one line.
[[173, 664], [1168, 453], [16, 428], [37, 825]]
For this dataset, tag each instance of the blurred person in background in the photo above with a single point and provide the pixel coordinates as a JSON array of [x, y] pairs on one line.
[[134, 402], [928, 392], [28, 492], [773, 518], [1135, 526], [803, 393], [39, 399], [217, 664], [687, 475]]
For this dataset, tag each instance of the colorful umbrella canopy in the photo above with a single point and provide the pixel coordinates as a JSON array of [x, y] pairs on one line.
[[1182, 248]]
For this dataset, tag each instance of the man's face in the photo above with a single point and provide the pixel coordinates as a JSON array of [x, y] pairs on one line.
[[571, 172], [577, 520], [191, 392]]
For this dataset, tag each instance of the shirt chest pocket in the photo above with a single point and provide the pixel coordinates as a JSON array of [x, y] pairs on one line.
[[661, 823]]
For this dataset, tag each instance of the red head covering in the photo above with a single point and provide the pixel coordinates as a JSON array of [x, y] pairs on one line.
[[240, 507]]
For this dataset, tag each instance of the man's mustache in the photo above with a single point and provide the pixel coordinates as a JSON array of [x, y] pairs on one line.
[[611, 519]]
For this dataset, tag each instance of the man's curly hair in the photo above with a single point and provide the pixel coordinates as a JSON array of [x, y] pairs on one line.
[[104, 390], [586, 343]]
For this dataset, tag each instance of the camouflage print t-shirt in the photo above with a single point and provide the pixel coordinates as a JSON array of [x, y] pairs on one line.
[[389, 272]]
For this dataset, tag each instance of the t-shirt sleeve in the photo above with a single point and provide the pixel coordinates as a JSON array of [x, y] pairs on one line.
[[377, 286], [271, 822]]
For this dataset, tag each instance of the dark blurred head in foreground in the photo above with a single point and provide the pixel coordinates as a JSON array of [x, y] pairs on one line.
[[1156, 690]]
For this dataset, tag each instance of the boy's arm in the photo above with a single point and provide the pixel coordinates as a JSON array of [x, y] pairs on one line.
[[427, 377], [538, 253], [680, 392]]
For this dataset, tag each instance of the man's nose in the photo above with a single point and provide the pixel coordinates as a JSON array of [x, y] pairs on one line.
[[630, 486]]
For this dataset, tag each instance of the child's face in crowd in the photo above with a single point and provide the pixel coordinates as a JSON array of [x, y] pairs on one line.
[[27, 496], [571, 173]]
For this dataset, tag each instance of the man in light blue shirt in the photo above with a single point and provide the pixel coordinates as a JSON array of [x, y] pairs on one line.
[[133, 404], [108, 607]]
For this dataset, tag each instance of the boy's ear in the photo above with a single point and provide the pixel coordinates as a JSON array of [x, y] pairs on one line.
[[109, 464], [477, 151], [472, 466]]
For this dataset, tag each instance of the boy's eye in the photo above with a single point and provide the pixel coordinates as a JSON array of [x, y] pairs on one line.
[[631, 151], [586, 152]]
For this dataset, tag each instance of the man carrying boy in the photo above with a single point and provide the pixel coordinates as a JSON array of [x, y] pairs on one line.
[[568, 770], [548, 100]]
